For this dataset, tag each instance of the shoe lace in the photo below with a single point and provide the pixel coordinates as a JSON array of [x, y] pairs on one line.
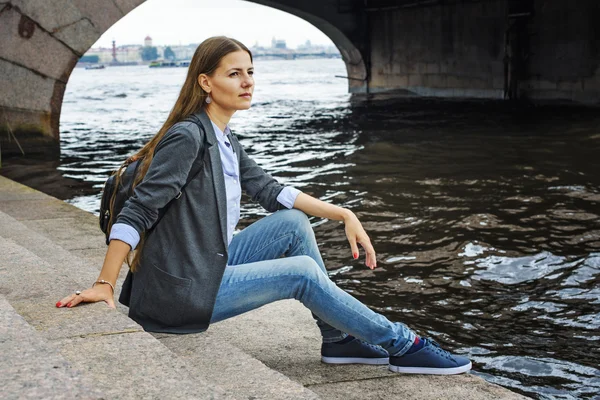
[[369, 344], [438, 349]]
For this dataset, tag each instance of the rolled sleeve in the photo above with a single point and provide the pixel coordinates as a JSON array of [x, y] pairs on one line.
[[125, 233], [287, 197]]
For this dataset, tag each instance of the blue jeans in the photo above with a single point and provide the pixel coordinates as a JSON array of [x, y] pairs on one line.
[[257, 274]]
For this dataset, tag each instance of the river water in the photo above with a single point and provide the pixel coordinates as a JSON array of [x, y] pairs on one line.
[[485, 215]]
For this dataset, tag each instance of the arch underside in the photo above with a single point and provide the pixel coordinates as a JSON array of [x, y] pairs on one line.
[[42, 42], [332, 27]]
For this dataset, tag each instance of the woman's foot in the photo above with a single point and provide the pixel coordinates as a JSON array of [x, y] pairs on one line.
[[430, 359], [353, 351]]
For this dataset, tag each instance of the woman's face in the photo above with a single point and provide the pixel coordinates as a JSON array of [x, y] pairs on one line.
[[232, 83]]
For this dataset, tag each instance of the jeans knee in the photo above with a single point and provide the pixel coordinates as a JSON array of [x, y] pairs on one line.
[[296, 218], [308, 274], [308, 268], [301, 225]]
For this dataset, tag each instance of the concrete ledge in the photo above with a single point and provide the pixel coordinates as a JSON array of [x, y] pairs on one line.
[[103, 344], [95, 326], [135, 366], [415, 388], [31, 368], [92, 337], [12, 190], [212, 357]]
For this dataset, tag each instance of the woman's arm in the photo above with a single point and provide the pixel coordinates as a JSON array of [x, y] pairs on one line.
[[168, 171], [354, 230], [263, 188], [171, 164], [115, 255]]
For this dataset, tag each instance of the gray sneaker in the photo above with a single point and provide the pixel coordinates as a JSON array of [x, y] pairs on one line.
[[353, 351]]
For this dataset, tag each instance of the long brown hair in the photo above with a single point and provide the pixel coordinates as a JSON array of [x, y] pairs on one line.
[[191, 99]]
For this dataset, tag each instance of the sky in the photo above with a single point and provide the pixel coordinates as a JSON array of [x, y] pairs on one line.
[[175, 22]]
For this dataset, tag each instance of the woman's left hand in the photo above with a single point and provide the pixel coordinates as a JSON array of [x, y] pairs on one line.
[[356, 234]]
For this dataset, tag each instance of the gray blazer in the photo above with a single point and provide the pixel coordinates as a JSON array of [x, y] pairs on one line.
[[184, 256]]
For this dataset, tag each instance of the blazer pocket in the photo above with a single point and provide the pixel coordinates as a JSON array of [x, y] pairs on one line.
[[165, 297]]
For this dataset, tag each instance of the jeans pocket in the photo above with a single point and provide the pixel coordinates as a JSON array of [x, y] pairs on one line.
[[165, 298]]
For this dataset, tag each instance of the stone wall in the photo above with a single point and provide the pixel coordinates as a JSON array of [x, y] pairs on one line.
[[40, 44], [565, 52], [460, 50], [449, 51]]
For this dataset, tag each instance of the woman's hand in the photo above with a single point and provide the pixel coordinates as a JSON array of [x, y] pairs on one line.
[[92, 295], [354, 230], [356, 234]]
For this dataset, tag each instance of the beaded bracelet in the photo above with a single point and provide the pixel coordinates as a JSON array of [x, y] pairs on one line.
[[107, 282]]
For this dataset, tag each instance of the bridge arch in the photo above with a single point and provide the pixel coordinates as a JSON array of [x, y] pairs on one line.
[[42, 42], [339, 26]]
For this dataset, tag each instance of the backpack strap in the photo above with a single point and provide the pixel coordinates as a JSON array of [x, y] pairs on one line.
[[191, 175]]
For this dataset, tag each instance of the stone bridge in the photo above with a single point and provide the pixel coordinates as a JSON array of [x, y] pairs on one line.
[[493, 49]]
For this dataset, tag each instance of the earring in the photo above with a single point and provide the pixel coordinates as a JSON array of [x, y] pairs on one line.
[[208, 99]]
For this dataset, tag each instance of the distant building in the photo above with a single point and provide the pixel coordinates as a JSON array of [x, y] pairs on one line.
[[278, 44], [306, 46], [184, 52], [132, 54], [279, 50], [181, 52], [124, 54]]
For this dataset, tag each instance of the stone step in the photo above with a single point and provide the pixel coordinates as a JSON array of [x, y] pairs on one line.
[[207, 363], [31, 368], [71, 228], [110, 349], [234, 370]]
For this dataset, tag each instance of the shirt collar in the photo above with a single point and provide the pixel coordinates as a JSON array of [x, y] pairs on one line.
[[219, 131], [221, 136]]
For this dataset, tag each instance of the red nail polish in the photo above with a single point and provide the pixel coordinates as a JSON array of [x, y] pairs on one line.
[[69, 305], [58, 304], [355, 255]]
